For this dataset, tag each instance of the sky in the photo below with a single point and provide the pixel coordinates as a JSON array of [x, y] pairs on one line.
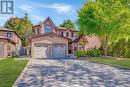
[[39, 10]]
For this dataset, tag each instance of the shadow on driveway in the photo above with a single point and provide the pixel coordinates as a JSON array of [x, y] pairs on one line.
[[73, 73]]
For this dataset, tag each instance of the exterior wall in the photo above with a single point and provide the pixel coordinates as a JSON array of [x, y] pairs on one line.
[[93, 42], [10, 47], [69, 33], [49, 40]]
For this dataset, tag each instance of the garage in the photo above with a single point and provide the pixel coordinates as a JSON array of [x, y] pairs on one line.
[[49, 45], [58, 51], [41, 51], [1, 50]]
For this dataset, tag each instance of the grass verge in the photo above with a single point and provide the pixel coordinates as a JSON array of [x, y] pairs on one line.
[[10, 69], [118, 62]]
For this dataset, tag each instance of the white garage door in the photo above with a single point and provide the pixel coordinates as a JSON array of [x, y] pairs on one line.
[[1, 50], [41, 51], [58, 51]]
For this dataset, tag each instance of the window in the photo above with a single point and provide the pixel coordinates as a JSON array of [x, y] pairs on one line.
[[62, 33], [9, 35], [37, 31], [67, 34], [72, 35], [48, 29]]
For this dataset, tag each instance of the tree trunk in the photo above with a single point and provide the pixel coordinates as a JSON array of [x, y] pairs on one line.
[[104, 45], [105, 51]]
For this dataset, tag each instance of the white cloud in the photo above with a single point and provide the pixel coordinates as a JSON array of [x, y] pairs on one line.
[[59, 7], [27, 8]]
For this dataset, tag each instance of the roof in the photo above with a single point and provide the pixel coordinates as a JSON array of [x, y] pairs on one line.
[[56, 27], [5, 29], [48, 18], [62, 28], [1, 37], [10, 40], [77, 39], [46, 34], [9, 30]]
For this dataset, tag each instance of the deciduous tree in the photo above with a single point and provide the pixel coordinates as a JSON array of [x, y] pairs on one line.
[[107, 19]]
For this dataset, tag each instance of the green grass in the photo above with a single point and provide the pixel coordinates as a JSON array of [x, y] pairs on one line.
[[118, 62], [10, 69]]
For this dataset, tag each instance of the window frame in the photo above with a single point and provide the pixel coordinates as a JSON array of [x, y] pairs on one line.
[[47, 29], [67, 34], [9, 35]]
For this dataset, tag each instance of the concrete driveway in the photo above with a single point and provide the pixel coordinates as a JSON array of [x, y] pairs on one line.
[[72, 73]]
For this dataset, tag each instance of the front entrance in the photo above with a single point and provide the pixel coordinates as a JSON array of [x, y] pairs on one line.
[[58, 51], [41, 51]]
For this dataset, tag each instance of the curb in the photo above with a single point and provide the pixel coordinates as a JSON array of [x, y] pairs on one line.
[[21, 75]]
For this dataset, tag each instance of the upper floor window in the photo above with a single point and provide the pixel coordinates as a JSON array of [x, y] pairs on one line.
[[48, 29], [37, 31], [62, 33], [72, 35], [9, 35], [67, 34]]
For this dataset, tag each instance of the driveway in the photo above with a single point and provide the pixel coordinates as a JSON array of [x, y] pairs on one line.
[[72, 73]]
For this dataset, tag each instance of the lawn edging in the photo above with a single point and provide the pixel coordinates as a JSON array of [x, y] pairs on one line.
[[21, 75]]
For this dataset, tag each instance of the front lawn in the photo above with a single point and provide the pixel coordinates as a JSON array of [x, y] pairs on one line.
[[10, 69], [119, 62]]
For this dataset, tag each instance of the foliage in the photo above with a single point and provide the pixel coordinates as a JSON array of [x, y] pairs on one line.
[[93, 52], [89, 53], [121, 48], [22, 26], [68, 24], [107, 19], [80, 54]]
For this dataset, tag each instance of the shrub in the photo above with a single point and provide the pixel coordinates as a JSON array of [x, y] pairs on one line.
[[80, 54], [90, 53], [93, 52]]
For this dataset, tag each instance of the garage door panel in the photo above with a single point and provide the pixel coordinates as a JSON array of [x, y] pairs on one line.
[[58, 51], [41, 51]]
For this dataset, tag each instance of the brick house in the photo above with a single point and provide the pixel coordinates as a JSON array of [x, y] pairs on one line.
[[50, 41], [10, 42]]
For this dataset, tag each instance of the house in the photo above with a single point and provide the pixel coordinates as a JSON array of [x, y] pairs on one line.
[[10, 42], [50, 41]]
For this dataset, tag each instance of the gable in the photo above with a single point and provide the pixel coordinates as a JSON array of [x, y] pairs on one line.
[[49, 22]]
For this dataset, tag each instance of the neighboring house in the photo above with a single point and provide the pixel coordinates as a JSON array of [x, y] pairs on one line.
[[10, 42], [50, 41]]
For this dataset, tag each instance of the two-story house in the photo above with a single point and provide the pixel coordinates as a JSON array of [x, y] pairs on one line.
[[10, 42], [50, 41]]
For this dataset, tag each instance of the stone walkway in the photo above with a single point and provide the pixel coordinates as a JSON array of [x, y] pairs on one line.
[[72, 73]]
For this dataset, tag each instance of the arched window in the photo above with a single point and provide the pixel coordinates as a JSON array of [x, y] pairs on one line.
[[48, 29]]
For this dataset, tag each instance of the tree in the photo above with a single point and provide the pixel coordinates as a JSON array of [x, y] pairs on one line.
[[22, 26], [107, 19], [68, 24]]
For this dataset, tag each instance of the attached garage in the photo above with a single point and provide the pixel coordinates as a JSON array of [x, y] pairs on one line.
[[1, 50], [49, 45]]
